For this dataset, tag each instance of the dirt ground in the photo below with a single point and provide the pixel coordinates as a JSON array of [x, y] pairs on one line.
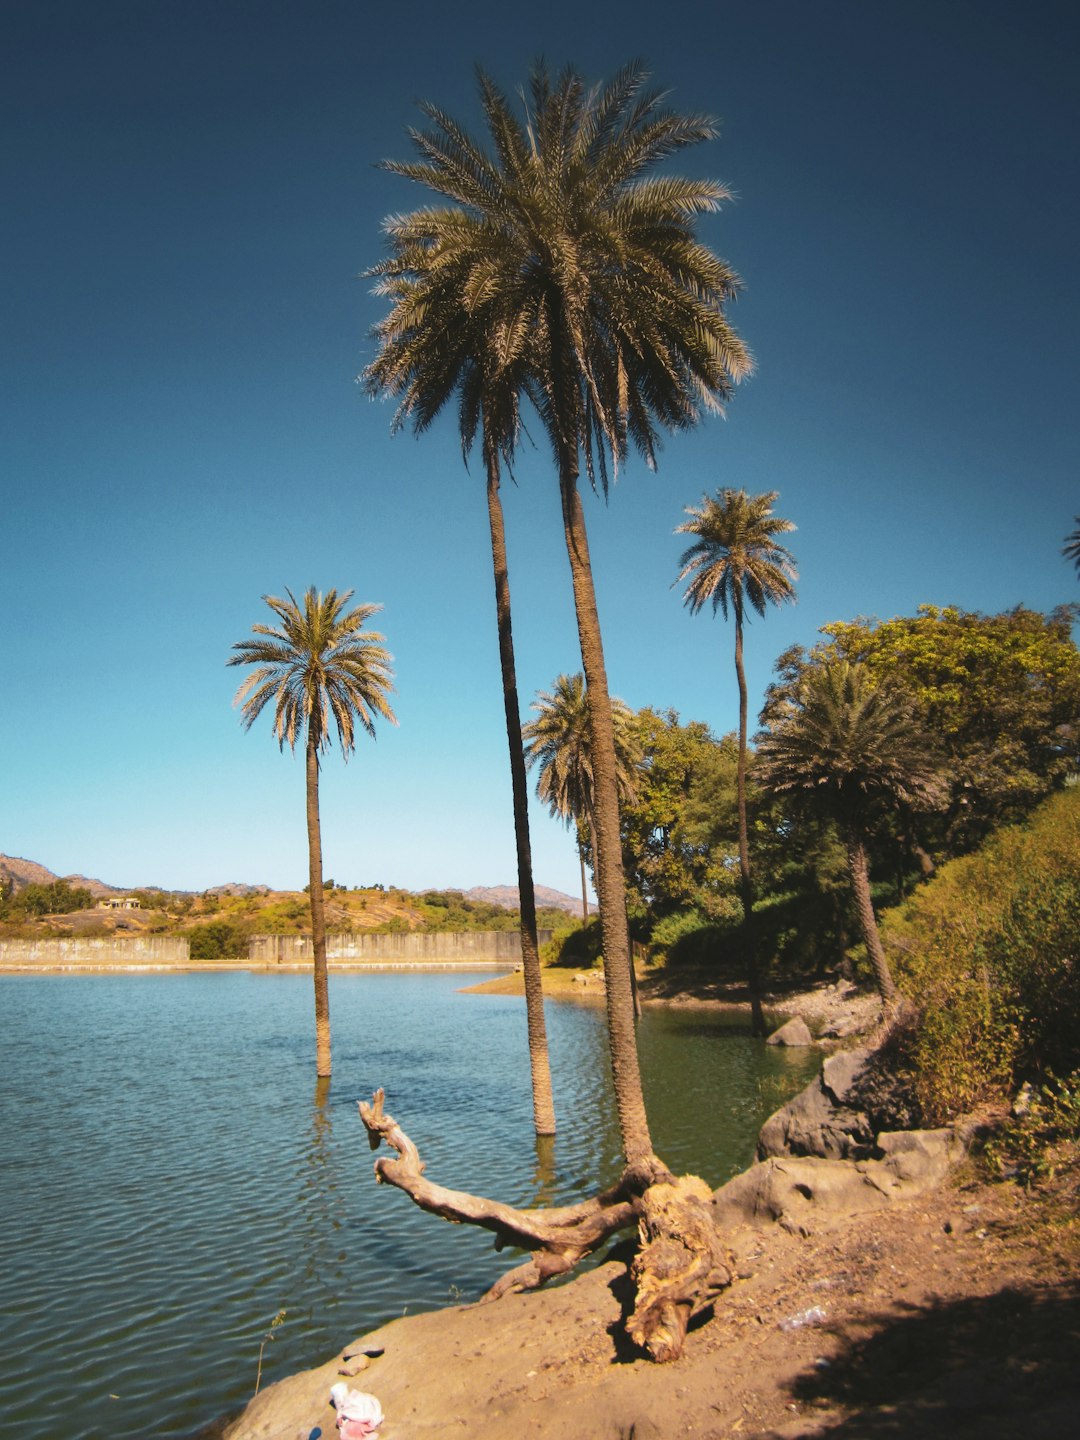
[[955, 1313]]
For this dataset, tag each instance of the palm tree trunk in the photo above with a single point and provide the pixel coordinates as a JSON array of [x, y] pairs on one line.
[[864, 906], [543, 1102], [607, 842], [746, 890], [318, 917], [584, 886]]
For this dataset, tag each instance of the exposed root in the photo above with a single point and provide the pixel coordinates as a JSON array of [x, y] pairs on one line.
[[679, 1268]]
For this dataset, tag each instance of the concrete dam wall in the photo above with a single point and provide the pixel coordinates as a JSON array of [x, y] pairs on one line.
[[496, 948], [155, 951], [471, 947]]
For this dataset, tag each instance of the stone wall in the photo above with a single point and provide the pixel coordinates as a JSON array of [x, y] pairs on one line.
[[492, 947], [88, 952]]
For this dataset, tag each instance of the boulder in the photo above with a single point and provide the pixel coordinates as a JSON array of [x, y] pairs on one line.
[[802, 1192], [824, 1120], [795, 1032]]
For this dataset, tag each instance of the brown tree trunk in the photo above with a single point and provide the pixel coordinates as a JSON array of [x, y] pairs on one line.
[[607, 841], [746, 889], [543, 1103], [584, 885], [864, 906], [318, 917]]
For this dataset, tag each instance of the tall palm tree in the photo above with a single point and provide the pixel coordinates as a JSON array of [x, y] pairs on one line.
[[428, 352], [1071, 548], [734, 559], [850, 750], [558, 741], [588, 266], [318, 663]]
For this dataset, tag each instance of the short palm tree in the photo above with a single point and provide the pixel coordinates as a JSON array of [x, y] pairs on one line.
[[428, 353], [1071, 548], [736, 559], [563, 242], [850, 750], [316, 665], [558, 742]]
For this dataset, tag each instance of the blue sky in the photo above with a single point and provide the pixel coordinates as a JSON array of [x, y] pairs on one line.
[[190, 199]]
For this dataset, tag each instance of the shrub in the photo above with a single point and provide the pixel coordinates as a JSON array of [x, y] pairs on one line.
[[218, 940], [990, 953]]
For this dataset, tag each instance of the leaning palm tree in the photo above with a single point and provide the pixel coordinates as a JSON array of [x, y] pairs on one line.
[[734, 559], [558, 742], [318, 663], [849, 750], [428, 353], [563, 241], [1071, 548]]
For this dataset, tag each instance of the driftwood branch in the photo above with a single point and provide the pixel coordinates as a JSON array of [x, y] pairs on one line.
[[680, 1265]]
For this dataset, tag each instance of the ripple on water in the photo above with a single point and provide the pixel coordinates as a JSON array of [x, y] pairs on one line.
[[173, 1178]]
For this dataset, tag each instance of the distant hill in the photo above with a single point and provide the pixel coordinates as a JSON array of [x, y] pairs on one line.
[[507, 897], [29, 872]]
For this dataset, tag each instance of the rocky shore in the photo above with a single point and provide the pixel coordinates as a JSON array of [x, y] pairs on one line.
[[881, 1289]]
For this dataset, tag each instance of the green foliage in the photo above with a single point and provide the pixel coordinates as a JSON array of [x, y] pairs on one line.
[[577, 949], [55, 898], [450, 910], [1028, 1147], [1000, 692], [680, 827], [990, 953], [217, 940]]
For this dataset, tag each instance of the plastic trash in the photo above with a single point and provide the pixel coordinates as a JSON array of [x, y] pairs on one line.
[[358, 1414], [814, 1316]]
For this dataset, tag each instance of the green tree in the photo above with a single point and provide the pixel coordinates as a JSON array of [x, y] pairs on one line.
[[430, 350], [1000, 692], [591, 267], [680, 827], [317, 665], [559, 743], [848, 748]]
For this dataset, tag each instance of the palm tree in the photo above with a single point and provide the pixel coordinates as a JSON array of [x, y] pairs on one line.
[[558, 742], [1071, 548], [428, 352], [588, 266], [318, 663], [735, 559], [850, 750]]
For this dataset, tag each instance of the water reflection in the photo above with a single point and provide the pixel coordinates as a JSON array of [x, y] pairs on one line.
[[180, 1225]]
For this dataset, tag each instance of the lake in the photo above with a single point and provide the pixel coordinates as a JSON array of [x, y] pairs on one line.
[[172, 1177]]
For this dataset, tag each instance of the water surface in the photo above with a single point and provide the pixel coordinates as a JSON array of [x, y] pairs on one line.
[[172, 1177]]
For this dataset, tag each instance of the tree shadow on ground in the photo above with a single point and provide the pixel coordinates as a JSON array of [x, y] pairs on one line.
[[994, 1367]]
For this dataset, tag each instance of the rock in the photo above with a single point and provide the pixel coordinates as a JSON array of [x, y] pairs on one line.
[[817, 1121], [799, 1191], [795, 1033]]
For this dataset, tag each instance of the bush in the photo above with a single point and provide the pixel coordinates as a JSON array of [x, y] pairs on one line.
[[218, 940], [989, 951]]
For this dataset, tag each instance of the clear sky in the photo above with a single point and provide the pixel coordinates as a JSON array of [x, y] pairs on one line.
[[189, 201]]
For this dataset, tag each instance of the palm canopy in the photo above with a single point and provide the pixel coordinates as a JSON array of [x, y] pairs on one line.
[[848, 746], [318, 664], [1071, 548], [558, 741], [735, 553], [562, 268]]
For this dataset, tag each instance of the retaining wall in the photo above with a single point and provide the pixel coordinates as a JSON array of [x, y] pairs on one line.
[[501, 947], [90, 951]]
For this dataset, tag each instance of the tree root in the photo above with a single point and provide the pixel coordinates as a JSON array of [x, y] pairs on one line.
[[680, 1265]]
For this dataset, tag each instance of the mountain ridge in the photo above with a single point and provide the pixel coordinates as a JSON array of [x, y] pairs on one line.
[[30, 872]]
